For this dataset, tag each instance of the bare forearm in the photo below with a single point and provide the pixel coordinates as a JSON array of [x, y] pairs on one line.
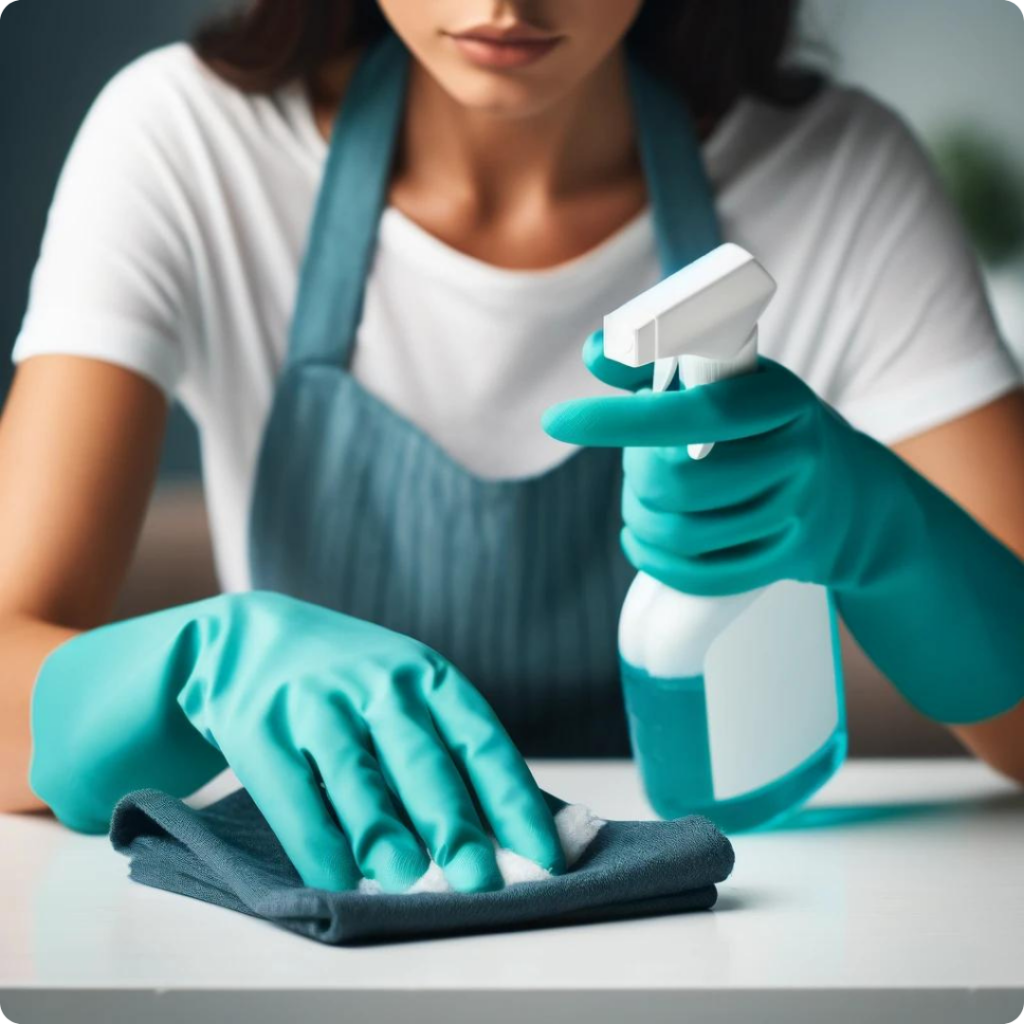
[[24, 645], [79, 449]]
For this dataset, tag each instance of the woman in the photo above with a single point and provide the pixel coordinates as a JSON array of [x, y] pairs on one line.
[[501, 175]]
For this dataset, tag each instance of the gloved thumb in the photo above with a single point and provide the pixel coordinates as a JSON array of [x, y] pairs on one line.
[[616, 375]]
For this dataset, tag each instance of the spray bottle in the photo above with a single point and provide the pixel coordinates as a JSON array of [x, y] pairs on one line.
[[735, 704]]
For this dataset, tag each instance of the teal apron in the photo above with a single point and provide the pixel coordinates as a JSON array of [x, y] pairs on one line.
[[519, 583]]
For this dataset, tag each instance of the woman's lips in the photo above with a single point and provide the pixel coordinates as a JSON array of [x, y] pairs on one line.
[[513, 51]]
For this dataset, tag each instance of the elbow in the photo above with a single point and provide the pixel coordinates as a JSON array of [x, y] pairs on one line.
[[999, 742], [20, 800], [1011, 770]]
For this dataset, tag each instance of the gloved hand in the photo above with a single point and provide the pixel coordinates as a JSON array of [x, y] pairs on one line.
[[792, 491], [365, 750], [775, 501]]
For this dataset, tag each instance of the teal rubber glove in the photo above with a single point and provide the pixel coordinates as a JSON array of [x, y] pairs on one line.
[[792, 491], [365, 750]]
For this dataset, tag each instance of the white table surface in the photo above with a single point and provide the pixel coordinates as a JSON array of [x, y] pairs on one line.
[[897, 894]]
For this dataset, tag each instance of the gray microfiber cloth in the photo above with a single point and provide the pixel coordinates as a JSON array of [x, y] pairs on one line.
[[226, 854]]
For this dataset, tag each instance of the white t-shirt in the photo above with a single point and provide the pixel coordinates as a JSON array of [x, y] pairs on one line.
[[174, 244]]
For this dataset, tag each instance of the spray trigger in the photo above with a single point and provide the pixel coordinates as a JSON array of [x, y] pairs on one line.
[[665, 373]]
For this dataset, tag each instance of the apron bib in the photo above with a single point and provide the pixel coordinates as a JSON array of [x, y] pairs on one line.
[[518, 583]]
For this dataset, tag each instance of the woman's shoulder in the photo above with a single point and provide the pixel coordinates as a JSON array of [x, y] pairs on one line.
[[172, 102], [842, 131], [863, 124], [162, 80]]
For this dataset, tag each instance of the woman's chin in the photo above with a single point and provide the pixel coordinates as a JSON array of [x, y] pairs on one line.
[[502, 94]]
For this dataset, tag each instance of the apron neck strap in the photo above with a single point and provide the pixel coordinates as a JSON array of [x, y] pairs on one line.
[[352, 197], [357, 177]]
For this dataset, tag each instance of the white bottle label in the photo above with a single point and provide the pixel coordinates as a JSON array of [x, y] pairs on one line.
[[771, 689]]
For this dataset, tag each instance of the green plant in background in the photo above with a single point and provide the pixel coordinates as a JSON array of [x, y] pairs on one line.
[[988, 188]]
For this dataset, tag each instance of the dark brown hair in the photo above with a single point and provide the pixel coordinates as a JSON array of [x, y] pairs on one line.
[[714, 51]]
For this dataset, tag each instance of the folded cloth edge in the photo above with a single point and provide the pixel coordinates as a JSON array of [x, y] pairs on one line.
[[207, 855]]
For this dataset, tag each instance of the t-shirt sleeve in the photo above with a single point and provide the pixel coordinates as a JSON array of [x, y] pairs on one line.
[[921, 347], [115, 276]]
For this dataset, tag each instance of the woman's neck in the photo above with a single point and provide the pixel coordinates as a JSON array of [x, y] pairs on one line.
[[582, 142], [527, 191]]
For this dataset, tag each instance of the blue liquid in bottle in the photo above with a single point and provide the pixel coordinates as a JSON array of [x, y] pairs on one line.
[[668, 725]]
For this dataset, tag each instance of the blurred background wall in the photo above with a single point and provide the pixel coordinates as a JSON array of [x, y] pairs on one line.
[[954, 68], [939, 61]]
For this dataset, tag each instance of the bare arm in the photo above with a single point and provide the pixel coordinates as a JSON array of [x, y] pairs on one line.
[[79, 449], [977, 461]]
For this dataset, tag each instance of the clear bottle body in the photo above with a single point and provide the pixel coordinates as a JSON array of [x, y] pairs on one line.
[[735, 706]]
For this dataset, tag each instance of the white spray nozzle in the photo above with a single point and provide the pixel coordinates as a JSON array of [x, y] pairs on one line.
[[702, 321], [708, 310]]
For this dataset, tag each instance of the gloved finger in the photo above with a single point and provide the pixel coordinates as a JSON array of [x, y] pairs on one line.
[[692, 534], [420, 771], [505, 788], [726, 410], [282, 785], [723, 574], [384, 848], [615, 375], [667, 479]]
